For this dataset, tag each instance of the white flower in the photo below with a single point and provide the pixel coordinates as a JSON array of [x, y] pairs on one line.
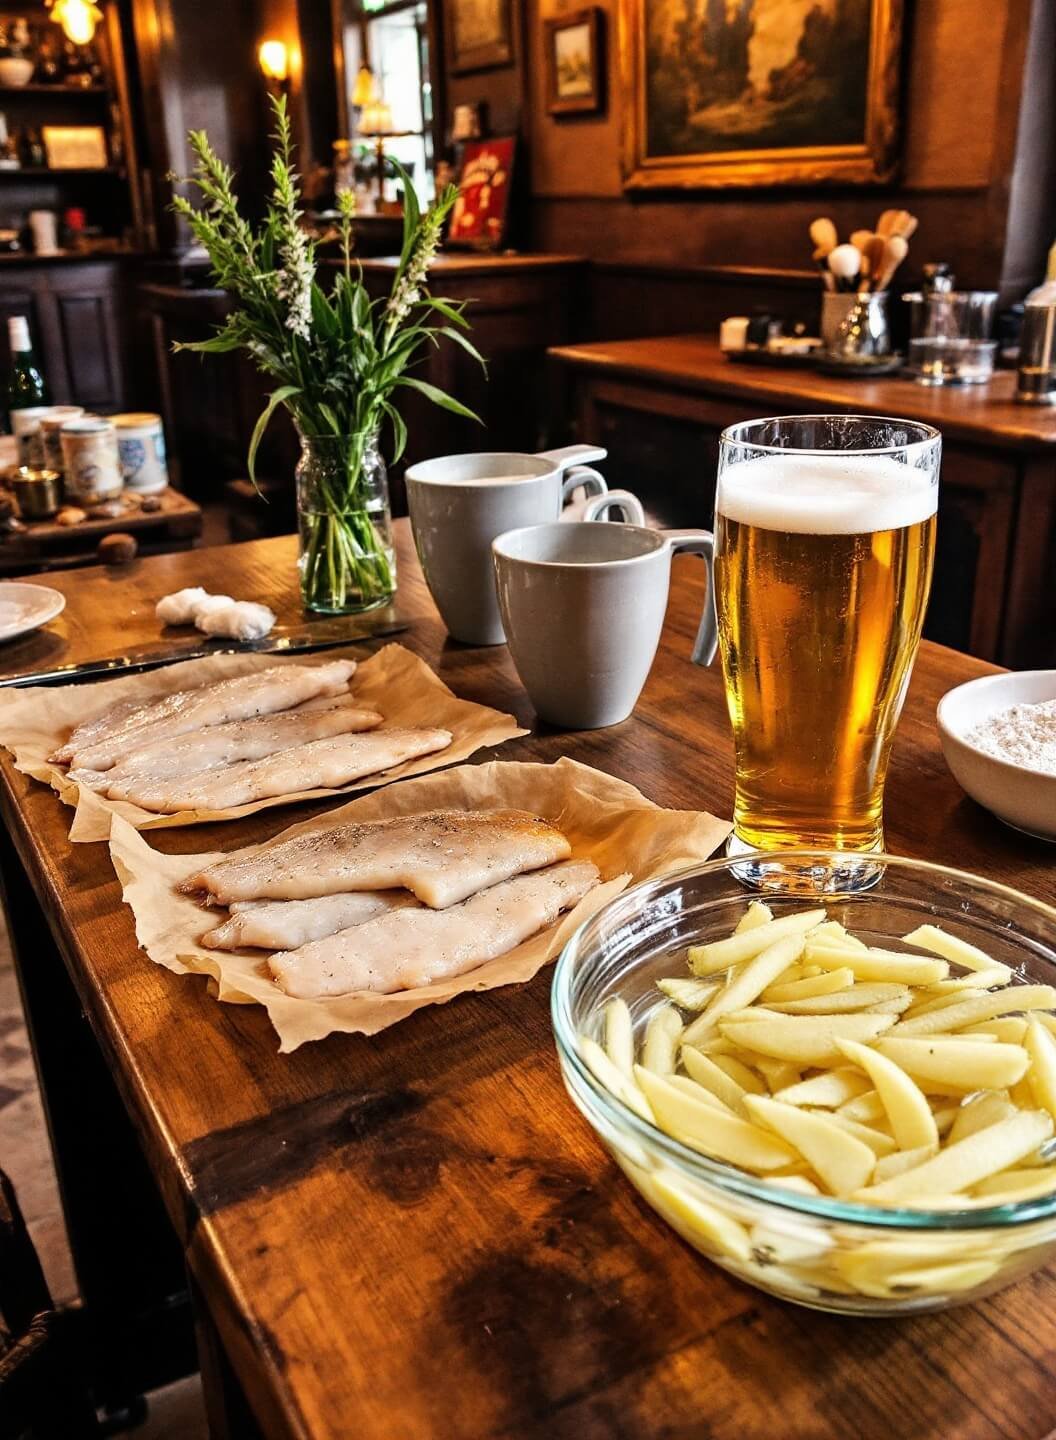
[[295, 281], [408, 292]]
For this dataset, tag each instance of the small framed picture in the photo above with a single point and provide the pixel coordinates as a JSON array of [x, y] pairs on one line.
[[75, 147], [575, 69], [479, 34]]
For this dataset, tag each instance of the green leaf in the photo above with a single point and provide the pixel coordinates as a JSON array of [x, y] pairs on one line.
[[447, 309], [330, 418], [325, 321], [399, 430], [439, 397], [275, 399], [215, 345], [412, 215], [467, 345]]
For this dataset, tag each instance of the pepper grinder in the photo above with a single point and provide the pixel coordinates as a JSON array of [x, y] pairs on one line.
[[1037, 356]]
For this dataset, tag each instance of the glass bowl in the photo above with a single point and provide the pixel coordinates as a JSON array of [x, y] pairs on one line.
[[818, 1251]]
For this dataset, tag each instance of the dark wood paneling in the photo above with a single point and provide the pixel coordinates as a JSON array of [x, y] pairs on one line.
[[76, 315]]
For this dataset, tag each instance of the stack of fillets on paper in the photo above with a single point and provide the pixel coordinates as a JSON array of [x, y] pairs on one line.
[[280, 731], [394, 904]]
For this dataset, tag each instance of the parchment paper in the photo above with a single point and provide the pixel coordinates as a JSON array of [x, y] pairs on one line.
[[36, 720], [606, 820]]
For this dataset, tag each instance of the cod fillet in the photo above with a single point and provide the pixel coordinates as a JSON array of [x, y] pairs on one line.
[[413, 947], [100, 743], [286, 924], [442, 857], [320, 765], [220, 745]]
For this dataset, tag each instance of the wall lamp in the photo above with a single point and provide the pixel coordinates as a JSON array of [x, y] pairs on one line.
[[274, 61]]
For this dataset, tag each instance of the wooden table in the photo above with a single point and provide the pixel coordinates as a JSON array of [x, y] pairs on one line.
[[416, 1235], [659, 406]]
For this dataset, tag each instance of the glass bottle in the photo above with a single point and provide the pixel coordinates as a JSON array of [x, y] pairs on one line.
[[26, 386]]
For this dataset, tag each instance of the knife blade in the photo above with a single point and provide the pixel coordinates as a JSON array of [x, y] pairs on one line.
[[290, 642]]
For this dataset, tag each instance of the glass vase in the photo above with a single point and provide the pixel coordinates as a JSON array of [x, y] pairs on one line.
[[347, 561]]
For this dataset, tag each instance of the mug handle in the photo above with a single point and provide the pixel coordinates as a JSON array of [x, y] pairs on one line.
[[702, 543], [629, 506], [591, 481]]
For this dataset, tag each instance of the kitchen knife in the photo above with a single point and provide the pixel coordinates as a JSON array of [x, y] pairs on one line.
[[290, 642]]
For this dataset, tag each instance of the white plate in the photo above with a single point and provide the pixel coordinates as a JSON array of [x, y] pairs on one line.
[[26, 607], [1018, 795]]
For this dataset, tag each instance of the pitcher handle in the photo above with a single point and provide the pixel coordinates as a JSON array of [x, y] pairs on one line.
[[582, 475], [629, 506], [702, 543]]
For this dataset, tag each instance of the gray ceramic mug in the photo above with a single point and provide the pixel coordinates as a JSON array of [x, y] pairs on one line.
[[583, 607], [460, 503]]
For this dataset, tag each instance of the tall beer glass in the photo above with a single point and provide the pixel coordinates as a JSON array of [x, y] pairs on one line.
[[824, 543]]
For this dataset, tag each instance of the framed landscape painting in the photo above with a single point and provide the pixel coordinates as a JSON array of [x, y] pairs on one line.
[[574, 63], [759, 92]]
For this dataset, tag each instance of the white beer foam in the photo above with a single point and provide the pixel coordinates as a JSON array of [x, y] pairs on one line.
[[834, 494]]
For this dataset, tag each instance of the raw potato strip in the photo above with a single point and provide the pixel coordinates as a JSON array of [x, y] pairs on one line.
[[748, 983], [939, 942], [912, 1122], [706, 1073], [737, 1070], [1041, 1047], [931, 1003], [982, 1110], [706, 959], [619, 1036], [832, 1088], [842, 1162], [900, 1161], [972, 1012], [660, 1046], [700, 1093], [879, 1142], [968, 1161], [974, 980], [827, 983], [867, 1108], [884, 965], [958, 1067], [834, 931], [614, 1080], [1025, 1184], [844, 1002], [1010, 1031], [805, 1040], [688, 994], [709, 1130], [757, 914]]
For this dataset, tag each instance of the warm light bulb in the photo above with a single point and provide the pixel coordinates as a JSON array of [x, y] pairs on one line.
[[274, 61], [78, 19]]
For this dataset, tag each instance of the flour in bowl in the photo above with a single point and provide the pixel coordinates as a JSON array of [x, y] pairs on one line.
[[1022, 734]]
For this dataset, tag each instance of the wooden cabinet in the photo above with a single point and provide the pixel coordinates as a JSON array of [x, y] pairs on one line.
[[76, 317], [659, 407]]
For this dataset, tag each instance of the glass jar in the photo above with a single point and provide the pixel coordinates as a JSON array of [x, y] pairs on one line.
[[347, 561]]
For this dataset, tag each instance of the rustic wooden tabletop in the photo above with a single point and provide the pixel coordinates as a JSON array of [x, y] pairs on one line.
[[416, 1235]]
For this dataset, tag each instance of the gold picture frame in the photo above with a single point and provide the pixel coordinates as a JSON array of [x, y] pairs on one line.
[[702, 110]]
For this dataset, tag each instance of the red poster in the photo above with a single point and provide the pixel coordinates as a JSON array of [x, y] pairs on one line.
[[479, 216]]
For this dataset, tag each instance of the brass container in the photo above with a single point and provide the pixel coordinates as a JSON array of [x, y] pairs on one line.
[[38, 492]]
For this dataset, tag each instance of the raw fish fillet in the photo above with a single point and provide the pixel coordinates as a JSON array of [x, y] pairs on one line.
[[320, 765], [413, 947], [220, 745], [442, 857], [285, 924], [100, 743]]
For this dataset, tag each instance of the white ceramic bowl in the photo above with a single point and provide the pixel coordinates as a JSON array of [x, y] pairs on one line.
[[15, 71], [1017, 794]]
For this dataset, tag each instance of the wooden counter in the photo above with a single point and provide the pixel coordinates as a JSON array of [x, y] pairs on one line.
[[659, 406]]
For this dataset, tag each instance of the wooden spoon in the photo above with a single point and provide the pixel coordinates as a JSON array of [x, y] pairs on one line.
[[823, 234], [861, 238], [895, 251], [875, 258]]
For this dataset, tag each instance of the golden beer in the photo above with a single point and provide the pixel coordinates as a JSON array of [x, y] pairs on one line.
[[822, 571]]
